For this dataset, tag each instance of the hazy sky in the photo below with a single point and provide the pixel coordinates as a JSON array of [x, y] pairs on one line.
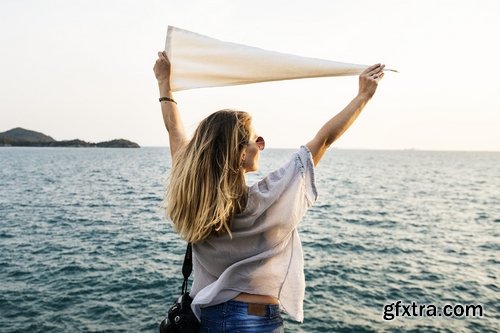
[[83, 69]]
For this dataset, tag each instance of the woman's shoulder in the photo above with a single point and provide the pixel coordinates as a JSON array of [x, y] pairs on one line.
[[293, 167], [282, 188]]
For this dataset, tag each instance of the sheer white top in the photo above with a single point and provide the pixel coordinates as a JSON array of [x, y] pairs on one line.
[[264, 255]]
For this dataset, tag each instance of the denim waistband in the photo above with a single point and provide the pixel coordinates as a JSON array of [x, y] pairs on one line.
[[271, 310]]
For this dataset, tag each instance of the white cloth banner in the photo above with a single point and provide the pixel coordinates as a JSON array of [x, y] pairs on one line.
[[199, 61]]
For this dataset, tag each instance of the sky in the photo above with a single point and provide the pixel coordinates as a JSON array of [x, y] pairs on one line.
[[83, 69]]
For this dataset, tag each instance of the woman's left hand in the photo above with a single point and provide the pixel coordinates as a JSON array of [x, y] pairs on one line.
[[368, 80]]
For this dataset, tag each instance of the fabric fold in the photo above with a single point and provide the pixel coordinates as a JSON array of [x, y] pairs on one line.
[[200, 61]]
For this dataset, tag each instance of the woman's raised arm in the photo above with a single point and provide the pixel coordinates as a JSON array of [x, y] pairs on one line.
[[335, 127], [171, 116]]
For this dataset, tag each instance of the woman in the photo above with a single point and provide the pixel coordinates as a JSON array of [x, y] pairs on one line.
[[247, 255]]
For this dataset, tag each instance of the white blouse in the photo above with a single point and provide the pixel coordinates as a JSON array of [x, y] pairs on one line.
[[264, 255]]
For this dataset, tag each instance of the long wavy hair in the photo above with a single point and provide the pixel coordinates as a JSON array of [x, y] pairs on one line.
[[207, 182]]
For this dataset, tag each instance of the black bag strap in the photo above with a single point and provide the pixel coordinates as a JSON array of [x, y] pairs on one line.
[[187, 267]]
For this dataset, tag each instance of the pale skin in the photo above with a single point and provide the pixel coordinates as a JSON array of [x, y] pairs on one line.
[[171, 115], [328, 134], [336, 126]]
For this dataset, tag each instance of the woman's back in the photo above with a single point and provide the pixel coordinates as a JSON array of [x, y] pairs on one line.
[[263, 254]]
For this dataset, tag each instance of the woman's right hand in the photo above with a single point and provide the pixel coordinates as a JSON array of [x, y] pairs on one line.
[[162, 70], [368, 80]]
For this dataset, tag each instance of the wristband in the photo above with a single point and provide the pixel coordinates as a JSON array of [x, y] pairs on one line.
[[167, 99]]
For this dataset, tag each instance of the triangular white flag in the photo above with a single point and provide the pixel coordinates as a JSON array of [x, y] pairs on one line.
[[199, 61]]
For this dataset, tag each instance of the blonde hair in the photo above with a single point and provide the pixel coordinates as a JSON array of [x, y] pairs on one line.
[[207, 183]]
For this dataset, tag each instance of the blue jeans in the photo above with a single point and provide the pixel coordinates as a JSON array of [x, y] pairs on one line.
[[234, 316]]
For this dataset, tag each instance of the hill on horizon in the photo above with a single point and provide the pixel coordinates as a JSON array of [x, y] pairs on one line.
[[22, 137], [22, 134]]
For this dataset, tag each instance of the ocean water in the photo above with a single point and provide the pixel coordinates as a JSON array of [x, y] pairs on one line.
[[84, 246]]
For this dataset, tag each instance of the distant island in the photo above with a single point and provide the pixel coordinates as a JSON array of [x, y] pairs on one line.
[[20, 137]]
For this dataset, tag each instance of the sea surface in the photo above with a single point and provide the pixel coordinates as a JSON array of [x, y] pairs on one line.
[[85, 247]]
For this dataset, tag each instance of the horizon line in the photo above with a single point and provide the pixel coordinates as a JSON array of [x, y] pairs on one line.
[[376, 149]]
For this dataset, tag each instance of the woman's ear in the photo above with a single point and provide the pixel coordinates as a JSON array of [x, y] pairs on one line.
[[242, 159]]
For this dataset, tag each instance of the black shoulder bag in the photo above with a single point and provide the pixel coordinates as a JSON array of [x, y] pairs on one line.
[[180, 318]]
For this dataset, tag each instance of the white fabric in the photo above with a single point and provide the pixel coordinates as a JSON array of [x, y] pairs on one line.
[[264, 255], [200, 61]]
